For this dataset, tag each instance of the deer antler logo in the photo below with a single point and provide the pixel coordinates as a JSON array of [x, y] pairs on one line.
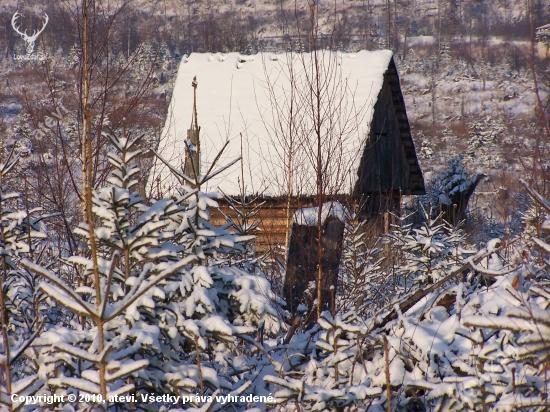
[[28, 39]]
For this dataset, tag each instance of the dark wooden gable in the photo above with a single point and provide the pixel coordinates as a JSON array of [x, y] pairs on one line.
[[389, 163]]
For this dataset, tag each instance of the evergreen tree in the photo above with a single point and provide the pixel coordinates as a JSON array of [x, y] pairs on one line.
[[361, 285], [328, 374], [23, 312], [430, 251], [221, 304], [450, 192], [119, 286]]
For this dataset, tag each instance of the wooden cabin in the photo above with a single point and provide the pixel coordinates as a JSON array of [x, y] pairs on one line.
[[259, 108], [243, 99]]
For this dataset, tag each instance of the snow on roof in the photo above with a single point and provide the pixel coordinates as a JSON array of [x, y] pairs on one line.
[[246, 100], [308, 216]]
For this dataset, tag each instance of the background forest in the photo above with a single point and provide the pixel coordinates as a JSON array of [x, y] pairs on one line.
[[107, 291]]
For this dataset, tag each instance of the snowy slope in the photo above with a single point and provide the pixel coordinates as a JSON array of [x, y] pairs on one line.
[[233, 97]]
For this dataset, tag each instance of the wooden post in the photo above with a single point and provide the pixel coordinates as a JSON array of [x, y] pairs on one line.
[[192, 165]]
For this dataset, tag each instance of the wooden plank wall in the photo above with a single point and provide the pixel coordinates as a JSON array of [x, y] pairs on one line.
[[272, 219], [303, 262]]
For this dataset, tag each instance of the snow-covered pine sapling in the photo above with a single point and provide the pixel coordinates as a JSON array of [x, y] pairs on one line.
[[242, 219], [474, 357], [329, 375], [431, 250], [450, 191], [472, 363], [527, 315], [361, 280], [219, 302], [21, 318], [245, 226], [127, 264]]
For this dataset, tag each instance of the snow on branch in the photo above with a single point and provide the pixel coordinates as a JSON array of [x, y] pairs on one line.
[[141, 286], [59, 291]]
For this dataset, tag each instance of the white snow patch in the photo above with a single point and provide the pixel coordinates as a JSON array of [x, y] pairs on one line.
[[309, 216]]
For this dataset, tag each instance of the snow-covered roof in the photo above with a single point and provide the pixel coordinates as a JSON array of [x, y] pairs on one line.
[[245, 99]]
